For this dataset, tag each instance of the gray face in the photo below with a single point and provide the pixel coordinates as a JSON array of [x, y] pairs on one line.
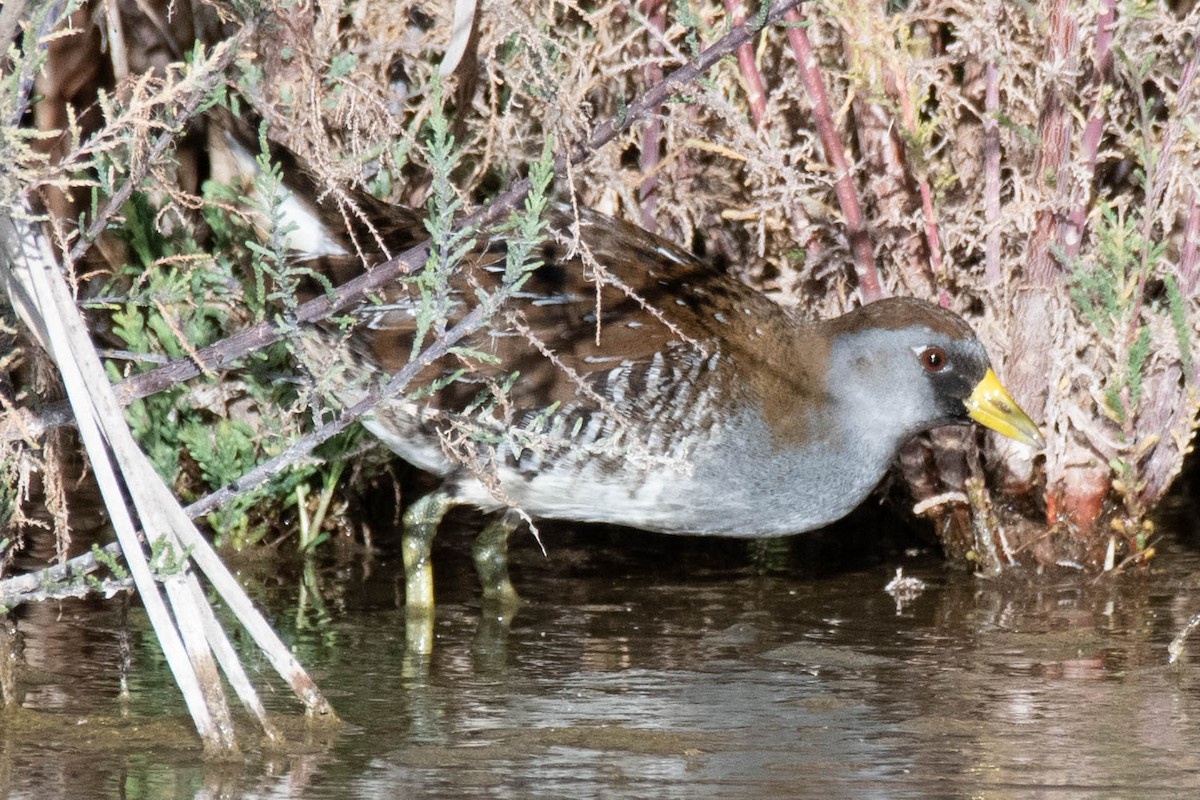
[[904, 380]]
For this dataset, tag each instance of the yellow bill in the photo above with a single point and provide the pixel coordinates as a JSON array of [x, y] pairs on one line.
[[990, 406]]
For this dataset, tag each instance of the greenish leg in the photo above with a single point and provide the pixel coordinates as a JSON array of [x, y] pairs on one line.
[[420, 525], [490, 552]]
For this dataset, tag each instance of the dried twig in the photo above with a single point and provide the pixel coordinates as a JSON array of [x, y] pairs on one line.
[[301, 448], [39, 294], [211, 74]]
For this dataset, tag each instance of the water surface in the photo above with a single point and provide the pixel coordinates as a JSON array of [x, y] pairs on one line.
[[646, 666]]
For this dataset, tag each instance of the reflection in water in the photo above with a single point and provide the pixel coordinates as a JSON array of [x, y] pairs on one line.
[[653, 667]]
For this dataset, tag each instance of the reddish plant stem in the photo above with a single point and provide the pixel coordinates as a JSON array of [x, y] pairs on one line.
[[1029, 365], [1188, 253], [897, 86], [756, 94], [931, 226], [1052, 169], [991, 173], [1071, 234], [655, 11], [856, 230], [880, 150], [756, 101], [679, 78]]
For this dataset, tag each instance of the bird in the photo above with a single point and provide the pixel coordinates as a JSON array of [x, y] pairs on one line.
[[626, 381], [651, 390]]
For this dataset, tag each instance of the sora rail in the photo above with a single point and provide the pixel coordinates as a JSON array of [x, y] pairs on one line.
[[630, 383]]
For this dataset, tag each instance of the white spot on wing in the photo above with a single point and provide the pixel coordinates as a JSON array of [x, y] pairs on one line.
[[309, 236], [555, 299], [669, 254]]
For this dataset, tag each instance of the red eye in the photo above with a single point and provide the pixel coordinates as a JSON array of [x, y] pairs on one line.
[[933, 359]]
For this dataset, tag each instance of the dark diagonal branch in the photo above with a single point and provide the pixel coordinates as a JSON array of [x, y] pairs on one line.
[[300, 449]]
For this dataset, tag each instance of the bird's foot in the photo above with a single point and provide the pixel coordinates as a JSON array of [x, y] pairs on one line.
[[490, 553]]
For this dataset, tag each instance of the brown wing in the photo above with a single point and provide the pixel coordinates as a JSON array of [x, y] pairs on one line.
[[624, 297], [612, 311], [627, 322]]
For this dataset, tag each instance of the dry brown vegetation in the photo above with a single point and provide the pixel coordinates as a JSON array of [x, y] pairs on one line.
[[1032, 165]]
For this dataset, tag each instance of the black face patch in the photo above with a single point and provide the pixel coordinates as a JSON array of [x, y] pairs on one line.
[[954, 384], [951, 389]]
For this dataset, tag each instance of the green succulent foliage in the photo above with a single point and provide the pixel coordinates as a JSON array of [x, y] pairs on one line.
[[447, 245], [8, 496], [528, 226], [176, 297], [693, 22], [1109, 293], [1178, 311]]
